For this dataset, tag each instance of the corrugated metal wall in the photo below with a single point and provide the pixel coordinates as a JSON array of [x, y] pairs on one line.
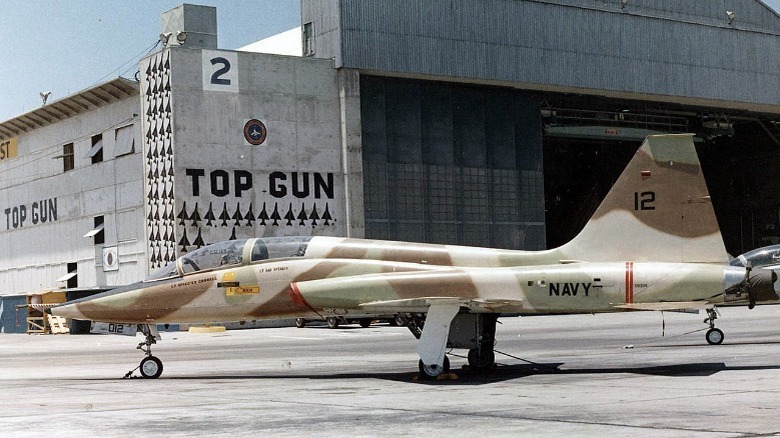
[[750, 14], [652, 47], [452, 164], [326, 20]]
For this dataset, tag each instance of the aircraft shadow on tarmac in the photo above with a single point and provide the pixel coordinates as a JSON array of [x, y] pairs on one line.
[[659, 344], [500, 373], [519, 371]]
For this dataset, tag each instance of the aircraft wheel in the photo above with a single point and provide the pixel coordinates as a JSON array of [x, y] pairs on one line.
[[714, 336], [333, 322], [300, 322], [151, 367], [433, 371], [365, 323], [481, 358], [399, 321]]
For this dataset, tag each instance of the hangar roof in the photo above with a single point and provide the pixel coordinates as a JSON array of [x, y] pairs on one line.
[[689, 53], [86, 100]]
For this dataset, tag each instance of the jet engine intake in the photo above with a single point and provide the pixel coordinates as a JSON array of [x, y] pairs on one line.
[[761, 284], [757, 285]]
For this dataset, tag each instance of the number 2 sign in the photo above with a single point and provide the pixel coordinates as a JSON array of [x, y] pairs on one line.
[[220, 71]]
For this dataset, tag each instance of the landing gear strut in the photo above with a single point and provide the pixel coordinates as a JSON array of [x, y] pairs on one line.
[[714, 335], [483, 357], [444, 327], [150, 366]]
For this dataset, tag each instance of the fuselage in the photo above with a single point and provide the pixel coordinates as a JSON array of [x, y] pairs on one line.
[[340, 276]]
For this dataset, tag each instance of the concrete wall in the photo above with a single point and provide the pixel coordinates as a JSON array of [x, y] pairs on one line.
[[293, 183], [34, 252]]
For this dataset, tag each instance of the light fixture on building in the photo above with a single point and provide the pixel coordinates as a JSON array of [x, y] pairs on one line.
[[164, 37], [731, 15], [45, 97], [623, 4]]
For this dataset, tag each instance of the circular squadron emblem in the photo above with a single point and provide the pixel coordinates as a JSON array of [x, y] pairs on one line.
[[255, 132], [110, 259]]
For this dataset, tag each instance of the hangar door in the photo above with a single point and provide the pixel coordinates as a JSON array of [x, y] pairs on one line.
[[450, 163]]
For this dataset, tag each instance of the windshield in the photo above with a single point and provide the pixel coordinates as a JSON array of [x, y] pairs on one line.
[[219, 254], [166, 271], [231, 252], [279, 247]]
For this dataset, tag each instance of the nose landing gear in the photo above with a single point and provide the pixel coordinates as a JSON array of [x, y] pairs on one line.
[[150, 366]]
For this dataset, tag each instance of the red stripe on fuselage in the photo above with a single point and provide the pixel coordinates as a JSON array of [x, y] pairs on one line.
[[297, 298], [629, 282]]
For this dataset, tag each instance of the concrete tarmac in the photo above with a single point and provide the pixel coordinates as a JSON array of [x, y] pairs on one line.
[[632, 374]]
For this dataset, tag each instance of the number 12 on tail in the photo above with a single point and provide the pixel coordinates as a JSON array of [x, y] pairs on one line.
[[644, 201]]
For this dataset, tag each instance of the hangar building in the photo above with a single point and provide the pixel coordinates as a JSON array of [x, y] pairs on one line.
[[496, 123]]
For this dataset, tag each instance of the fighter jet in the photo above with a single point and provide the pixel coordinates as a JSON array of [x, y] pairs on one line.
[[652, 244]]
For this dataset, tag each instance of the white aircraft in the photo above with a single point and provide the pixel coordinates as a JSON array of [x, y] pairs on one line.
[[653, 244]]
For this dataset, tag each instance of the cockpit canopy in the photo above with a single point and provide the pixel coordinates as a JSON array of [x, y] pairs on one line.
[[766, 256], [233, 252]]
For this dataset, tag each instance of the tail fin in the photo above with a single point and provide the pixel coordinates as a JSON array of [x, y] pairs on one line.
[[658, 210]]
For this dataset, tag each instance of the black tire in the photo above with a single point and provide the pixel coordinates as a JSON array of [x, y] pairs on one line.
[[398, 321], [151, 367], [481, 358], [300, 322], [332, 321], [714, 336], [365, 323], [432, 372]]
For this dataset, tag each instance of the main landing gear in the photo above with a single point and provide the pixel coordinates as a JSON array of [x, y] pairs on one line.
[[443, 328], [434, 370], [714, 335], [150, 366]]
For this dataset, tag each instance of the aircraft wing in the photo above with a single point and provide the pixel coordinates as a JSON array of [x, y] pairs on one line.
[[668, 306], [418, 305], [395, 292]]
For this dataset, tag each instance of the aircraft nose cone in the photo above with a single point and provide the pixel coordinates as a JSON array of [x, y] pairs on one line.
[[66, 311]]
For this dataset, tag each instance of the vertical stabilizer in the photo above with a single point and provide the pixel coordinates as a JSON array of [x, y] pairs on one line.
[[658, 210]]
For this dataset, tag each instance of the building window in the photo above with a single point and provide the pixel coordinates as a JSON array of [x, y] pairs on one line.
[[125, 141], [308, 39], [67, 157], [97, 231], [96, 152], [71, 278], [73, 282]]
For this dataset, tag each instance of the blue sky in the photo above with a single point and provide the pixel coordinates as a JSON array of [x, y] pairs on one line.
[[773, 3], [64, 46]]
